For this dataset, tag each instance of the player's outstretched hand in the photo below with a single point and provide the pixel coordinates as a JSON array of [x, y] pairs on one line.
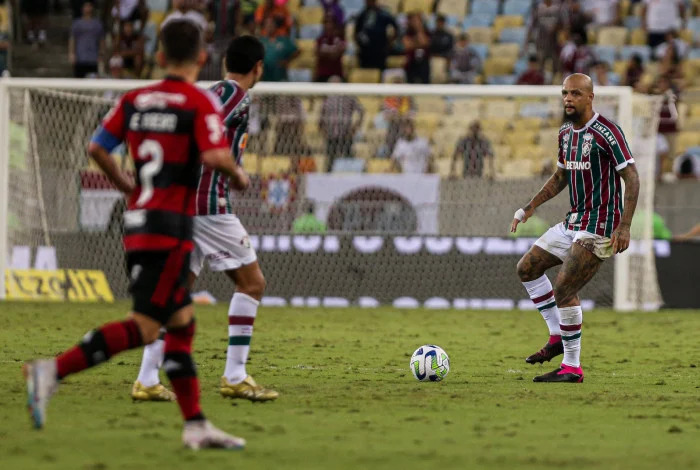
[[521, 215], [620, 239]]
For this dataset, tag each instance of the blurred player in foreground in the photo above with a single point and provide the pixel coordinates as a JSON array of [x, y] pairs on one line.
[[221, 240], [593, 157], [171, 128]]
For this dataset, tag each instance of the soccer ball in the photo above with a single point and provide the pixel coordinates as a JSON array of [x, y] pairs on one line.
[[430, 363]]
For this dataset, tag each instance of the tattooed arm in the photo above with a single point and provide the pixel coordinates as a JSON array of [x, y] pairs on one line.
[[621, 236], [554, 185]]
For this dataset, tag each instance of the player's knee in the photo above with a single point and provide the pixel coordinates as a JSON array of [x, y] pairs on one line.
[[564, 296], [524, 269], [254, 287], [149, 333]]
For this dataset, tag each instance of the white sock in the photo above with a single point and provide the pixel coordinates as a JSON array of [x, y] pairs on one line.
[[150, 363], [542, 295], [571, 320], [241, 316]]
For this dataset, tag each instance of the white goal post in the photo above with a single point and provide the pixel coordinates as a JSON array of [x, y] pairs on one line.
[[635, 283]]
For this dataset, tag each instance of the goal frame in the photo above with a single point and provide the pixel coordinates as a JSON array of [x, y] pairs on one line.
[[624, 119]]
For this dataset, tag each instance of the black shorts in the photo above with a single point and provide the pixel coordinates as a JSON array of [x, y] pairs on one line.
[[158, 282]]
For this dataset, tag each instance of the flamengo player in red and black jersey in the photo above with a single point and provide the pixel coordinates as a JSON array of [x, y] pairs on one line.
[[593, 159], [170, 128], [221, 240]]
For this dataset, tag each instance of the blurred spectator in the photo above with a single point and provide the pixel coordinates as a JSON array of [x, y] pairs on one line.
[[668, 116], [576, 19], [687, 166], [340, 118], [116, 67], [186, 9], [660, 17], [308, 222], [289, 129], [465, 63], [532, 75], [602, 76], [212, 69], [245, 16], [545, 23], [37, 12], [635, 70], [333, 8], [395, 110], [280, 50], [416, 44], [278, 13], [330, 47], [576, 56], [372, 36], [473, 149], [442, 41], [411, 153], [603, 12], [86, 43], [134, 11], [693, 233], [671, 54], [129, 46]]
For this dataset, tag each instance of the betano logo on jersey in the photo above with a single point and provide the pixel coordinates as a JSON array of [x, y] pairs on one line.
[[578, 165]]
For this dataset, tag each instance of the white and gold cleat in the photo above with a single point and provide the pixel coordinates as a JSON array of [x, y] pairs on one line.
[[247, 389], [204, 435], [155, 392]]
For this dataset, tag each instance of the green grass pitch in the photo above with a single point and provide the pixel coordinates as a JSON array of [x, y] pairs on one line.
[[349, 401]]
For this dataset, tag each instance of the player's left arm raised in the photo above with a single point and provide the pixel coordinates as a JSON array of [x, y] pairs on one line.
[[621, 236]]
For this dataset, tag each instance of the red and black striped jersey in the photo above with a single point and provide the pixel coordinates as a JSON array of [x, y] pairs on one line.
[[592, 157], [166, 126]]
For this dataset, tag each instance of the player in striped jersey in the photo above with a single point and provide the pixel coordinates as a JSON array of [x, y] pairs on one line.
[[593, 159], [221, 240]]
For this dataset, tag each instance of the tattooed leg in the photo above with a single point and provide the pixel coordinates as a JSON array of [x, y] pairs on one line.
[[535, 262]]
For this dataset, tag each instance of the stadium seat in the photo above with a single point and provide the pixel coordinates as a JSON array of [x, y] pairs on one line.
[[431, 104], [499, 66], [528, 152], [499, 108], [501, 80], [300, 75], [348, 165], [275, 165], [687, 139], [157, 5], [365, 76], [535, 109], [620, 68], [605, 53], [477, 21], [427, 122], [466, 110], [638, 37], [507, 21], [633, 22], [380, 165], [481, 49], [312, 3], [527, 124], [156, 17], [517, 169], [502, 153], [456, 8], [694, 24], [514, 35], [487, 7], [417, 5], [505, 50], [499, 124], [612, 36], [481, 35], [518, 139], [250, 163], [520, 66], [391, 5], [439, 70], [626, 52], [443, 166], [310, 31], [310, 15], [364, 150], [517, 7]]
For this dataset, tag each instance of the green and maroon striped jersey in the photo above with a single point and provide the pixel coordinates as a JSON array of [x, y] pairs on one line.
[[213, 191], [592, 157]]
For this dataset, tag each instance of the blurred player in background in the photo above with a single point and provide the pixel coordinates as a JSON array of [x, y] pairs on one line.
[[171, 128], [593, 158], [221, 240]]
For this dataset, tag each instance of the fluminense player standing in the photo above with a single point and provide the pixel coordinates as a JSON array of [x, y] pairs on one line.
[[171, 128], [593, 159], [221, 240]]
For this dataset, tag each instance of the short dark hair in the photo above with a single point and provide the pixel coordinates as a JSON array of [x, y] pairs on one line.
[[181, 40], [243, 53]]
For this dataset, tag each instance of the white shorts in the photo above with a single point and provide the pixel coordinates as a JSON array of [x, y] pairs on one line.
[[222, 241], [558, 240]]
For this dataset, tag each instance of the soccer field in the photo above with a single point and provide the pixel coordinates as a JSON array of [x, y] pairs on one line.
[[349, 401]]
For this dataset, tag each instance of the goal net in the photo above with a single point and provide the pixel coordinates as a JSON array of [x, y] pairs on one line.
[[332, 222]]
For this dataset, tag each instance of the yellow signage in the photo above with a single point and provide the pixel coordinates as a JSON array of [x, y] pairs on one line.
[[72, 285]]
